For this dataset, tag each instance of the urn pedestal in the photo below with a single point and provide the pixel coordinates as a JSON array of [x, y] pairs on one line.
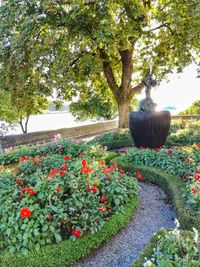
[[149, 129]]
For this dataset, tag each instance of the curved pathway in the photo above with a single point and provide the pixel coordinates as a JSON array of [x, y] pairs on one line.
[[153, 212]]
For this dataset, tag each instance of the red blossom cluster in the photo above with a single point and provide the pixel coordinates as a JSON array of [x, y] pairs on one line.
[[92, 188], [85, 168], [76, 233]]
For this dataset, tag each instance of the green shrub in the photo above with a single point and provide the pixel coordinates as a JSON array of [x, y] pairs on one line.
[[181, 161], [173, 187], [192, 192], [48, 199], [171, 248], [64, 147], [67, 252], [114, 139]]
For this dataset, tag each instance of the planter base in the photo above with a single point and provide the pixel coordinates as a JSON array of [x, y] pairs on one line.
[[149, 129]]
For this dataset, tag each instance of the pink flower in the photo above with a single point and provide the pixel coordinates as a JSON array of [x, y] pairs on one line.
[[102, 208], [121, 171], [194, 191], [103, 198], [170, 152], [59, 146]]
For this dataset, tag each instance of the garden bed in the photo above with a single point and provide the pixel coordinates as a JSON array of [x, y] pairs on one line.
[[171, 185]]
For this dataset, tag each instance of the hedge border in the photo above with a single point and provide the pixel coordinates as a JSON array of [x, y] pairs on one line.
[[148, 250], [68, 252], [172, 186]]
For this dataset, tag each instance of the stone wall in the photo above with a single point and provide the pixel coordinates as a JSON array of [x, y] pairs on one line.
[[46, 136]]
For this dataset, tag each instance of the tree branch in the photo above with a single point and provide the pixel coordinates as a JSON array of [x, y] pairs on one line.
[[108, 72], [127, 69]]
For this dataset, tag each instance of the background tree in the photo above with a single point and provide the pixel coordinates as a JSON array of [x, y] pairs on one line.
[[19, 111], [194, 109], [73, 44]]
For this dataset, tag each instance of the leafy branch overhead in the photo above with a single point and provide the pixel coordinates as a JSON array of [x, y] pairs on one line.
[[70, 45]]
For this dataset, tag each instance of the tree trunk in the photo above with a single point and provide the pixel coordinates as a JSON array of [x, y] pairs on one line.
[[123, 109]]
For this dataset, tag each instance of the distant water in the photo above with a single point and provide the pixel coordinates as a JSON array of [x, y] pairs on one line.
[[51, 121]]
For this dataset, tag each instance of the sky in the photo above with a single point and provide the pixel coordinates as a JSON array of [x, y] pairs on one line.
[[181, 90]]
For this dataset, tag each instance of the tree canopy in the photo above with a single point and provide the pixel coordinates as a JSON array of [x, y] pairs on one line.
[[193, 109], [75, 45]]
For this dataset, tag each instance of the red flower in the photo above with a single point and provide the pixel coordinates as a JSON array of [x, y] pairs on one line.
[[22, 188], [86, 169], [62, 173], [121, 171], [30, 191], [141, 148], [170, 151], [67, 158], [196, 177], [101, 163], [58, 189], [64, 167], [18, 181], [25, 213], [76, 233], [9, 166], [194, 191], [53, 172], [88, 187], [102, 208], [84, 162], [94, 188], [108, 175], [139, 175], [50, 217], [103, 198]]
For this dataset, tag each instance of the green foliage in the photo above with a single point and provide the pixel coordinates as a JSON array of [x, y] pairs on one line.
[[192, 192], [114, 139], [194, 109], [94, 104], [171, 248], [180, 161], [63, 193], [73, 45], [172, 185], [68, 252]]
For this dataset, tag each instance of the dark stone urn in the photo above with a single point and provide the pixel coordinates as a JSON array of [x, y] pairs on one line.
[[149, 129]]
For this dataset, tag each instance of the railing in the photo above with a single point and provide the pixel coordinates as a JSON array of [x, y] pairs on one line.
[[75, 132]]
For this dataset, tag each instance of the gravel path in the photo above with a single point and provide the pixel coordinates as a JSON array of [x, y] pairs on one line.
[[153, 213]]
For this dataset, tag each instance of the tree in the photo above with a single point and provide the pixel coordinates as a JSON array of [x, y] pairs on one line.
[[193, 110], [77, 43], [19, 112]]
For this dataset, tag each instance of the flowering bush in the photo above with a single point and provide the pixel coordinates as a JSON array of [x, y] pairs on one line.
[[181, 161], [64, 147], [49, 198], [176, 248], [192, 192]]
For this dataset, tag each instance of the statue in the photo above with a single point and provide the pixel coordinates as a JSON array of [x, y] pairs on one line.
[[147, 104]]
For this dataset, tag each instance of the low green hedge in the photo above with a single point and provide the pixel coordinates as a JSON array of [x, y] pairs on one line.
[[68, 252], [149, 248], [172, 186]]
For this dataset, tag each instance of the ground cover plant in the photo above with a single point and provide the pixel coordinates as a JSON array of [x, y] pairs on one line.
[[56, 196], [171, 248]]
